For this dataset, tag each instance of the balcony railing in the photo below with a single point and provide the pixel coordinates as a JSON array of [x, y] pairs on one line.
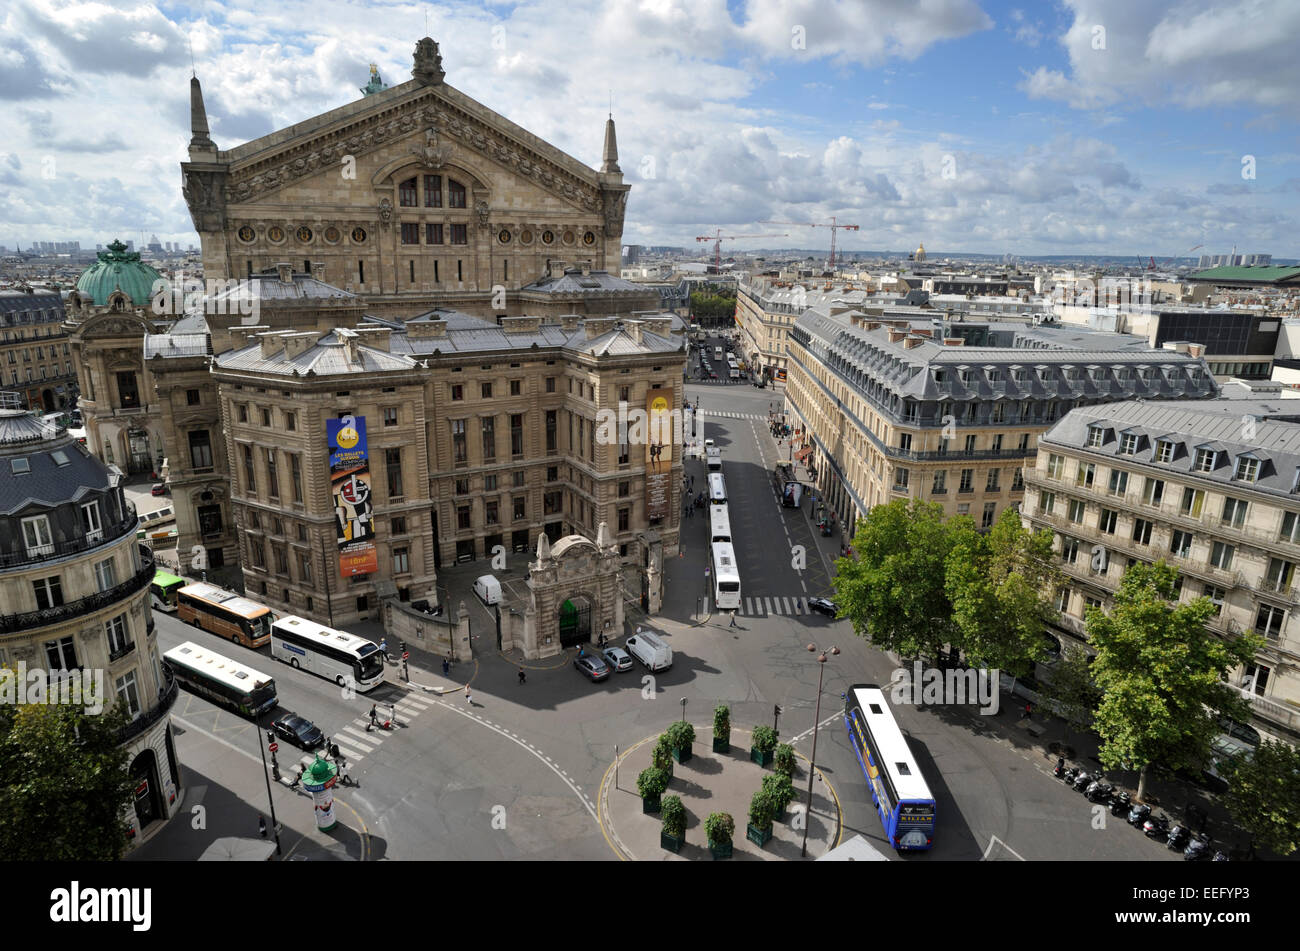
[[166, 698], [11, 623], [88, 542], [119, 653], [1268, 709]]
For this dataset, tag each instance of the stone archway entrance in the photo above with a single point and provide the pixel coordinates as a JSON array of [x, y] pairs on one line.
[[147, 788], [47, 398], [575, 621], [138, 444]]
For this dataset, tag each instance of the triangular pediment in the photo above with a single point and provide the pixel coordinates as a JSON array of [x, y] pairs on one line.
[[114, 324], [413, 118]]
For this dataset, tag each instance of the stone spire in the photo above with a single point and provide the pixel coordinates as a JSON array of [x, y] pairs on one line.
[[543, 548], [200, 141], [609, 164], [604, 541]]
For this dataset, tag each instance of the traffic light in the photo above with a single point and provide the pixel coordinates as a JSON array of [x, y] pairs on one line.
[[401, 647], [776, 710], [270, 736]]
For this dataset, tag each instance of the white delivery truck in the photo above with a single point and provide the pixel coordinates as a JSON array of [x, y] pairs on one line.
[[488, 589], [647, 647]]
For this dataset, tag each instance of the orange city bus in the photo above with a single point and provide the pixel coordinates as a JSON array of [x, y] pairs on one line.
[[224, 613]]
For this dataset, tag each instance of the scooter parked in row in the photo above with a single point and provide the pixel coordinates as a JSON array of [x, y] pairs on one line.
[[1059, 770], [1137, 816], [1179, 836], [1119, 804], [1082, 780], [1099, 791], [1156, 827], [1198, 850]]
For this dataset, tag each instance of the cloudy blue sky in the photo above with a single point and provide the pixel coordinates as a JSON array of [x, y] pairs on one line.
[[1091, 126]]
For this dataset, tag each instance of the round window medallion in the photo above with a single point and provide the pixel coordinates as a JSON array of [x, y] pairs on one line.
[[247, 234], [332, 235], [548, 237], [568, 237], [303, 234], [525, 237], [275, 233], [503, 236], [359, 235], [589, 238]]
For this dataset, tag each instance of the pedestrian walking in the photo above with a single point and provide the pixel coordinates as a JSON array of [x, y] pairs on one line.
[[733, 620], [261, 825], [383, 646], [374, 715], [1029, 709], [468, 698], [523, 678]]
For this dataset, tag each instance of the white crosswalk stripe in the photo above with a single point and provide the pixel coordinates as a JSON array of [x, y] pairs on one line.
[[764, 607]]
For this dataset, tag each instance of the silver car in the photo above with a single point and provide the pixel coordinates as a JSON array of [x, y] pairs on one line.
[[617, 658]]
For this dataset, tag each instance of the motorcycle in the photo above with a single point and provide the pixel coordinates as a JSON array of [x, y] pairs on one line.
[[1098, 791], [1138, 814], [1081, 781], [1178, 838], [1220, 857], [1198, 850], [1156, 827], [1069, 774], [1059, 769], [1119, 804]]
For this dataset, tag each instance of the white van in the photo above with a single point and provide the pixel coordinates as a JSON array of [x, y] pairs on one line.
[[713, 458], [646, 647], [488, 589]]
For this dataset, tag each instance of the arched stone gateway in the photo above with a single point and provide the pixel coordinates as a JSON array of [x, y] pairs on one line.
[[147, 788], [574, 594]]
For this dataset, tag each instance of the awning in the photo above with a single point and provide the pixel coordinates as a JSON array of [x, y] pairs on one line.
[[804, 453]]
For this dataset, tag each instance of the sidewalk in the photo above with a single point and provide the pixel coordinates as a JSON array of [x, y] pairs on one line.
[[715, 782]]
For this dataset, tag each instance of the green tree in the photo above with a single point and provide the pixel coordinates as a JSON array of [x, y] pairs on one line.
[[63, 784], [1161, 674], [999, 585], [1264, 795], [1071, 691], [894, 590]]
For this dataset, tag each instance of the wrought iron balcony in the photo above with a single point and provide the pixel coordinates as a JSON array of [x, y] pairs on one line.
[[166, 699], [89, 542], [42, 617]]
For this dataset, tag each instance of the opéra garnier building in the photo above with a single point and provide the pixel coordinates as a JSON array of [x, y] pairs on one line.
[[435, 276]]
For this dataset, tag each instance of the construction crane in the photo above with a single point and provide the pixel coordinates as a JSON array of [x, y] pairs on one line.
[[718, 238], [1184, 254], [834, 226]]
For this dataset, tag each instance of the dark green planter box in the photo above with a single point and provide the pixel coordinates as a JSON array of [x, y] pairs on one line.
[[650, 804], [722, 851], [760, 757], [758, 836], [721, 746], [682, 753], [669, 842]]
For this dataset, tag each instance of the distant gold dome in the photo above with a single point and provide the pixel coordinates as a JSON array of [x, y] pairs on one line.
[[920, 252]]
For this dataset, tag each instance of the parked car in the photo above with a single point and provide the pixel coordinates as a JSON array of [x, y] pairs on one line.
[[823, 606], [159, 488], [591, 667], [617, 658], [298, 731]]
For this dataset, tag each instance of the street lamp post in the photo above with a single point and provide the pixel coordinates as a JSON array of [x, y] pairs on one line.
[[275, 826], [812, 762], [683, 709]]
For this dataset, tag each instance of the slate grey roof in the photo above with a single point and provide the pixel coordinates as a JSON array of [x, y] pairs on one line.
[[46, 483], [1214, 424], [267, 285], [176, 345], [574, 281], [328, 357], [19, 307]]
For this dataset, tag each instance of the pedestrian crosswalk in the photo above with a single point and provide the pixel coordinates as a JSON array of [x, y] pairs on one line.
[[762, 607], [355, 743], [708, 414]]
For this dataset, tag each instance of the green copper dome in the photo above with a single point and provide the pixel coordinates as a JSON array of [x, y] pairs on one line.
[[118, 267]]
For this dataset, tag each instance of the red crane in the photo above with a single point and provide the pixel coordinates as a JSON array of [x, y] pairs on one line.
[[834, 226], [718, 238]]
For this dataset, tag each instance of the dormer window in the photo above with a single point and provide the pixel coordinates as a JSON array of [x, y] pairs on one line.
[[1129, 444], [941, 376], [1021, 376], [1124, 374], [1164, 450], [1096, 436], [1074, 374], [994, 375], [1247, 468], [1205, 460], [965, 376], [1044, 374]]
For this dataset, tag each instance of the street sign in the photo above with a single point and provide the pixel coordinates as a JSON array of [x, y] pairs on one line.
[[706, 571], [274, 747], [406, 655]]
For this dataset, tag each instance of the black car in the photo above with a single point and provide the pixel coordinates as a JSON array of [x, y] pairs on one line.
[[591, 666], [298, 731], [823, 606]]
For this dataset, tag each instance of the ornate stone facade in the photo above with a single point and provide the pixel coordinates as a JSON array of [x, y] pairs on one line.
[[413, 195]]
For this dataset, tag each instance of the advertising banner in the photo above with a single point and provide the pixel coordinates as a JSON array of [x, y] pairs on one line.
[[660, 439], [353, 502]]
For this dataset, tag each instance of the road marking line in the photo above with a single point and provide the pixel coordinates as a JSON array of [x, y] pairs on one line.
[[989, 848], [356, 739], [351, 755]]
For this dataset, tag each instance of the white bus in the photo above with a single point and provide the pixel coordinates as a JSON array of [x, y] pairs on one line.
[[717, 354], [221, 680], [335, 655], [719, 524], [726, 577], [902, 798], [717, 489]]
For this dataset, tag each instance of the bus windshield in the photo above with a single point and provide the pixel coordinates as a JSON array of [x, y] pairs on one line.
[[163, 590]]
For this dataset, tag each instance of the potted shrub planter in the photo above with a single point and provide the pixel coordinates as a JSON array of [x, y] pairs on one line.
[[781, 791], [761, 811], [722, 729], [783, 759], [764, 742], [719, 829], [680, 737], [661, 757], [673, 834], [651, 785]]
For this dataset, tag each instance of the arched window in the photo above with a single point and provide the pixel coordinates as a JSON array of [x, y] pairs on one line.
[[455, 194], [406, 194]]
